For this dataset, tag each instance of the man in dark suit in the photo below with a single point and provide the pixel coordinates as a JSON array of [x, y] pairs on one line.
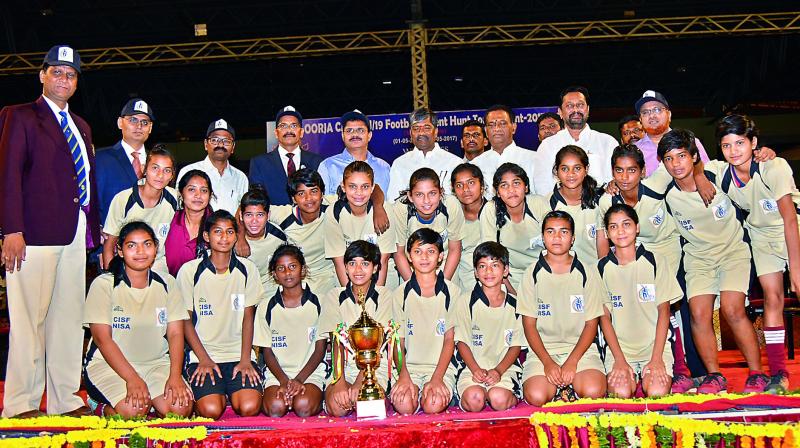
[[48, 217], [119, 167], [272, 170]]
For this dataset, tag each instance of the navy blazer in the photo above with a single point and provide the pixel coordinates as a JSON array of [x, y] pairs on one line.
[[38, 183], [268, 171], [114, 174]]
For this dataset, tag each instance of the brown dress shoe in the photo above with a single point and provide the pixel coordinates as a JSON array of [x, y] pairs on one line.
[[30, 414], [82, 411]]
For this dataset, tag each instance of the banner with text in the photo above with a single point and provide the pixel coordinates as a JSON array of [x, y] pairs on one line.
[[390, 132]]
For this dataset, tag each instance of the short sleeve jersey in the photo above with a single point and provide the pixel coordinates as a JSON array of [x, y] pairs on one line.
[[310, 238], [769, 181], [341, 306], [471, 232], [424, 320], [447, 221], [291, 333], [138, 317], [585, 226], [217, 303], [261, 251], [523, 239], [634, 292], [561, 303], [488, 331], [127, 206], [656, 230], [712, 233], [342, 228]]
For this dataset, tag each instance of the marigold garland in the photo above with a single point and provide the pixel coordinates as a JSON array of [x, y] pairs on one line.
[[556, 436], [573, 437], [97, 438]]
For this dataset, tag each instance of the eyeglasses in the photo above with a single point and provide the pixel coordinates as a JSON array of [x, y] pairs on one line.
[[634, 131], [653, 111], [220, 141], [472, 136], [358, 131], [285, 126], [575, 106], [58, 73], [424, 128], [143, 122]]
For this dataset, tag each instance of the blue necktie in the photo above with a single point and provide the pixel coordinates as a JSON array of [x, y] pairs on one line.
[[77, 157]]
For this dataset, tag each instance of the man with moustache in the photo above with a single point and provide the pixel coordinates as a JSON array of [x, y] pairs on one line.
[[574, 109], [119, 167], [48, 219], [272, 170], [425, 154], [473, 139], [654, 114], [228, 183], [630, 129], [500, 127], [356, 135], [548, 124]]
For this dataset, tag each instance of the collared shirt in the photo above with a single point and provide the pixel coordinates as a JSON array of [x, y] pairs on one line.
[[490, 160], [77, 133], [282, 152], [129, 152], [404, 166], [332, 169], [229, 187], [598, 147], [650, 150]]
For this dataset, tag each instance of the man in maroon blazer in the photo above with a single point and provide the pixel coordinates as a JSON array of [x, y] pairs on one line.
[[48, 219]]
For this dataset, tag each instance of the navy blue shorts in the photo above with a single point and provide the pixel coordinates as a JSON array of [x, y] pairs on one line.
[[224, 386]]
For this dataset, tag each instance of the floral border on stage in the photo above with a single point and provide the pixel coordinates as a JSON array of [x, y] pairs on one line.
[[653, 430]]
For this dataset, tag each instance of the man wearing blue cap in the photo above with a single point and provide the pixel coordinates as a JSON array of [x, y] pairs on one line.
[[228, 182], [119, 167], [48, 218], [272, 170], [356, 135]]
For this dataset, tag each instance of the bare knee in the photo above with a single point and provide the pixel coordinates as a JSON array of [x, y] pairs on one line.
[[274, 407], [127, 411], [536, 393], [501, 399], [305, 406], [211, 406], [473, 399], [183, 411], [247, 406]]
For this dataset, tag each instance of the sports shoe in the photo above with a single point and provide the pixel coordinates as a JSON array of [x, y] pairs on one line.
[[713, 383], [778, 383], [682, 384], [756, 383]]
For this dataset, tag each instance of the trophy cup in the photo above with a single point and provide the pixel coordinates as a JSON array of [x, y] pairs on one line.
[[366, 338]]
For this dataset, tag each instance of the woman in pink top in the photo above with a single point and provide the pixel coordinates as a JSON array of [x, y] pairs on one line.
[[181, 243]]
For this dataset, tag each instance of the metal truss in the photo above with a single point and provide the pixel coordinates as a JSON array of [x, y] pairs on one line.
[[419, 69], [434, 38]]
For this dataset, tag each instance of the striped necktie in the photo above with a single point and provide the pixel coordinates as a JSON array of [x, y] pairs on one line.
[[77, 158]]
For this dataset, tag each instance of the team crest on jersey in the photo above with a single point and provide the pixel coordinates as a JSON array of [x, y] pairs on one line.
[[616, 301], [371, 238], [657, 219], [237, 302], [440, 327], [118, 309], [161, 317], [312, 334], [576, 305], [475, 327], [162, 231], [720, 210], [591, 231], [203, 308], [646, 292], [768, 206], [508, 336], [686, 224], [536, 242]]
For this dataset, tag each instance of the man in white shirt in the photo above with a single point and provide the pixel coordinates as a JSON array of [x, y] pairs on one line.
[[229, 183], [574, 109], [500, 127], [426, 154]]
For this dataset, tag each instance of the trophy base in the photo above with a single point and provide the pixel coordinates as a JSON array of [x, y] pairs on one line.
[[371, 410]]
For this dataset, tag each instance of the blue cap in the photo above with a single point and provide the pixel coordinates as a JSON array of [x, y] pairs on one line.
[[63, 55], [220, 125], [354, 115], [650, 95], [137, 106]]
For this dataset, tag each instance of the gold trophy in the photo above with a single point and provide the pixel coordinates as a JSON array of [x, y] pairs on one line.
[[366, 338]]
